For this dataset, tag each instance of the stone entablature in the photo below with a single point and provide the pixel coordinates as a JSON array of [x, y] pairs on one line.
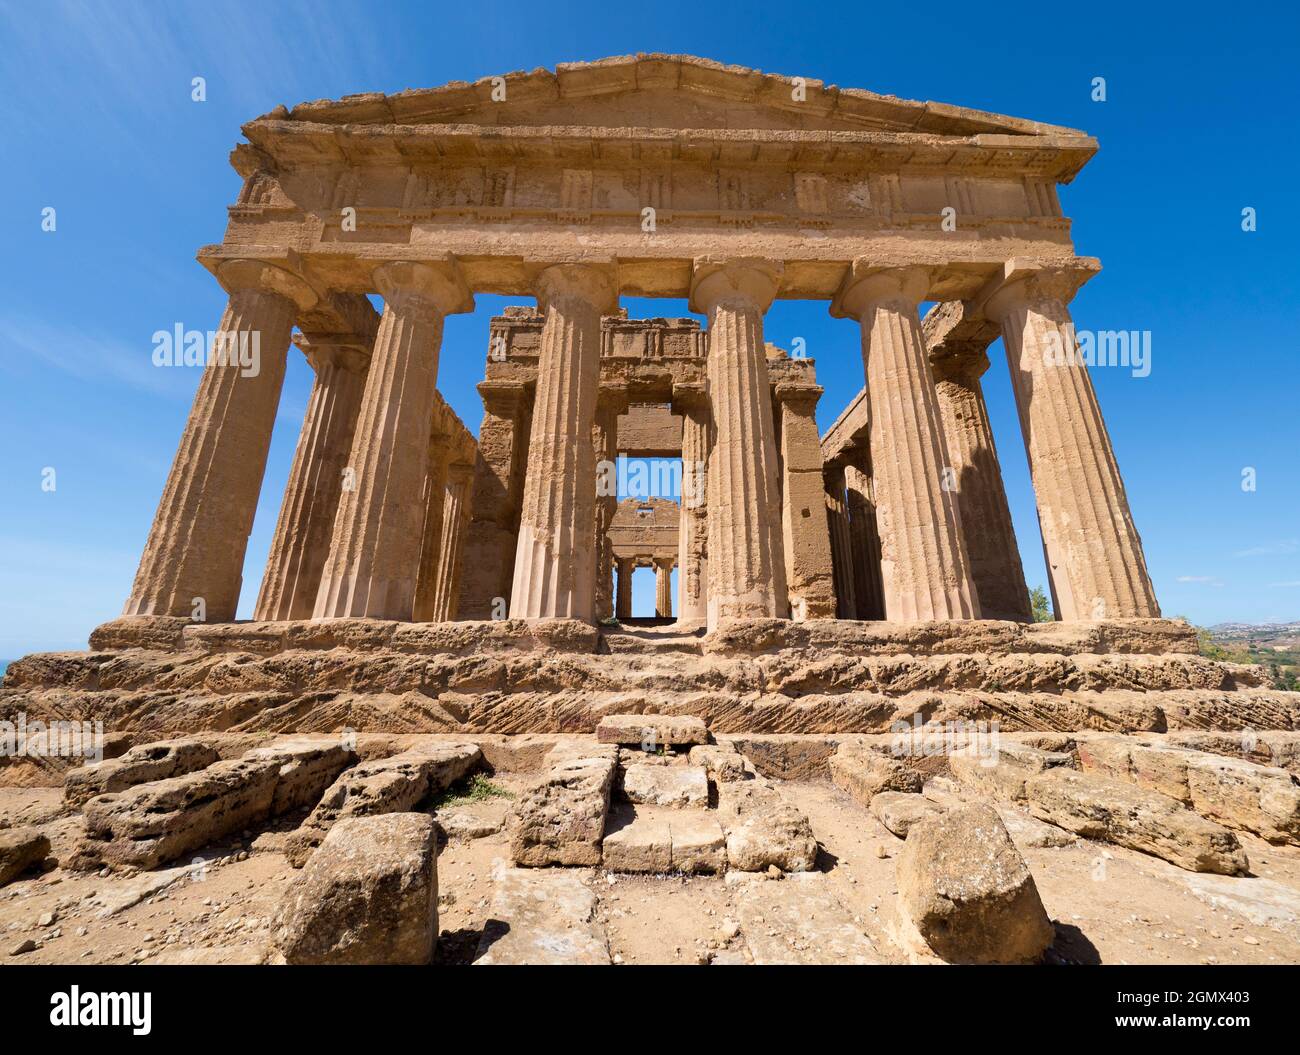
[[646, 529]]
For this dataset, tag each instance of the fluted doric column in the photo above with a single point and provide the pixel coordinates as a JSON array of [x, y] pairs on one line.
[[375, 550], [455, 522], [555, 563], [432, 536], [316, 480], [807, 542], [663, 588], [1094, 553], [193, 562], [691, 401], [610, 403], [623, 607], [864, 540], [488, 560], [923, 564], [977, 474], [746, 562], [837, 522]]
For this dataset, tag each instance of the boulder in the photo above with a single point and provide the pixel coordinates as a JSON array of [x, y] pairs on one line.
[[1233, 791], [681, 787], [1001, 773], [20, 849], [969, 893], [1122, 813], [764, 830], [369, 895], [151, 824], [395, 784], [636, 730], [899, 810], [721, 762], [147, 762], [560, 818], [864, 773]]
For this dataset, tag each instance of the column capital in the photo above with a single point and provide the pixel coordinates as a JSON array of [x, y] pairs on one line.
[[799, 395], [613, 395], [502, 399], [460, 472], [751, 281], [867, 284], [690, 395], [250, 273], [338, 349], [428, 286], [594, 283], [1023, 282]]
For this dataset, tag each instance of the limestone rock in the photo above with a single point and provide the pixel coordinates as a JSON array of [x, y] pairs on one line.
[[764, 830], [721, 762], [633, 730], [560, 819], [151, 824], [368, 895], [969, 893], [681, 787], [698, 842], [394, 784], [20, 849], [1001, 773], [141, 764], [546, 917], [638, 841], [1237, 793], [1124, 814], [900, 810], [799, 921], [865, 773]]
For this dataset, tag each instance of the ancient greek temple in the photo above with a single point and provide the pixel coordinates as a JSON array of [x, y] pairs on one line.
[[646, 176]]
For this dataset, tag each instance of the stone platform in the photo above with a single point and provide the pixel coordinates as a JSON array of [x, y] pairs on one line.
[[165, 677]]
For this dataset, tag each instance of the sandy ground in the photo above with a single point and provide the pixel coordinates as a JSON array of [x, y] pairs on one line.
[[1110, 905]]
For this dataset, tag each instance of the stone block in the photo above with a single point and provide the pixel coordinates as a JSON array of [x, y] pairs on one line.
[[369, 895], [682, 787], [560, 818], [764, 830], [698, 842], [542, 918], [141, 764], [1122, 813], [865, 773], [1001, 773], [970, 895], [635, 730], [638, 841], [721, 762], [20, 849], [900, 810]]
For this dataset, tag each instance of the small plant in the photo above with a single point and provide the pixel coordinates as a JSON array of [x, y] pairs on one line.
[[475, 788], [1040, 605]]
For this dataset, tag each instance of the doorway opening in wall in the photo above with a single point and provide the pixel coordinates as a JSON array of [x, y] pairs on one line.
[[643, 593]]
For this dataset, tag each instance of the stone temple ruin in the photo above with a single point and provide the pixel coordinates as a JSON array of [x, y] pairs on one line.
[[437, 606]]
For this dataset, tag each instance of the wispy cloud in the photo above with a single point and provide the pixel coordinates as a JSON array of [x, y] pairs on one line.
[[1207, 580], [1271, 549], [1286, 585]]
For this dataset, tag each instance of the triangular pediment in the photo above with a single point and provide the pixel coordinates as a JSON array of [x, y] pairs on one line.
[[662, 92]]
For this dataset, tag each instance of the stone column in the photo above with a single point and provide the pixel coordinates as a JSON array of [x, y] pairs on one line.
[[555, 562], [981, 498], [488, 561], [692, 403], [746, 562], [375, 551], [1094, 553], [431, 535], [193, 562], [610, 403], [455, 523], [809, 574], [864, 540], [841, 550], [923, 564], [663, 588], [623, 609], [311, 496]]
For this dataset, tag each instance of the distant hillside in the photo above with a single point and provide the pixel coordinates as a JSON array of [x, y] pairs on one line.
[[1273, 645]]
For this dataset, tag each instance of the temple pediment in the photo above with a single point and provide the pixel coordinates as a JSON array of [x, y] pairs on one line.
[[663, 92]]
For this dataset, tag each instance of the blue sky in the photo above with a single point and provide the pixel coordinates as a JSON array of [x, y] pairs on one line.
[[1199, 122]]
